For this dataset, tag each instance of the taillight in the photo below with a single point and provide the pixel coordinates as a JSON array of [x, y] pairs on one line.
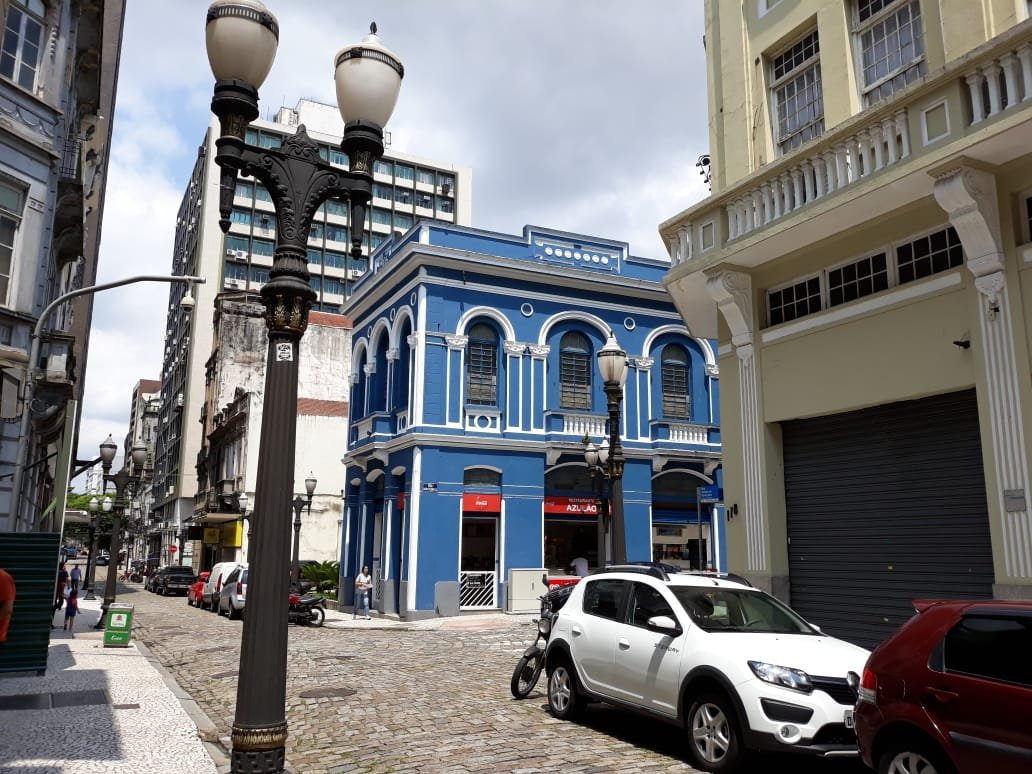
[[868, 687], [240, 588]]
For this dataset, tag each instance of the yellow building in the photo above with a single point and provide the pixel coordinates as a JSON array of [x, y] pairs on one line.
[[865, 262]]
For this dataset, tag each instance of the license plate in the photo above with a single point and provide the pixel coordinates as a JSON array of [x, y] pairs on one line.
[[848, 719]]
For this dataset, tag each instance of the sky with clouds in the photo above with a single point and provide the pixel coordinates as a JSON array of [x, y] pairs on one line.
[[582, 115]]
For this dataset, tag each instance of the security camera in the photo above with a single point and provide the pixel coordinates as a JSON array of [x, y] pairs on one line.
[[187, 303]]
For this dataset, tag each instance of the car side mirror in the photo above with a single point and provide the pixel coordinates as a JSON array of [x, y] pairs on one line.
[[665, 624], [815, 626]]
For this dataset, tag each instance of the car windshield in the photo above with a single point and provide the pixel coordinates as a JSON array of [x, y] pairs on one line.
[[739, 610]]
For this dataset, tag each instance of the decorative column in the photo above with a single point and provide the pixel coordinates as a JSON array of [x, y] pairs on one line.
[[538, 360], [968, 195], [514, 352], [455, 382]]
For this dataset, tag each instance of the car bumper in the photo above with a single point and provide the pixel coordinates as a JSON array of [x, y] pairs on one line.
[[788, 721]]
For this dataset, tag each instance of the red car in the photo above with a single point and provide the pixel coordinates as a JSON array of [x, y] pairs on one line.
[[193, 594], [951, 691]]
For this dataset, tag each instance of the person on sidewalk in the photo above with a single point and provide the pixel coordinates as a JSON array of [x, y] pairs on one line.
[[71, 610], [62, 581], [6, 602], [76, 576], [363, 583]]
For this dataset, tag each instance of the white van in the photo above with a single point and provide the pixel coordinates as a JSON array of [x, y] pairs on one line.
[[213, 586]]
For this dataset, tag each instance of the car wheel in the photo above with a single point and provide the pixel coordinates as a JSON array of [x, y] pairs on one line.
[[913, 756], [715, 742], [234, 613], [564, 697]]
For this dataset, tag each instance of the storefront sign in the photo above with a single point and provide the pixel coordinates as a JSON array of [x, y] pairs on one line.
[[489, 503], [579, 506], [232, 532], [212, 534]]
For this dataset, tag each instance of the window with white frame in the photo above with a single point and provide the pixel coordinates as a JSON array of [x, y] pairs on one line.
[[574, 371], [928, 255], [1028, 215], [858, 279], [796, 93], [674, 366], [890, 46], [23, 42], [792, 301], [482, 366], [11, 203]]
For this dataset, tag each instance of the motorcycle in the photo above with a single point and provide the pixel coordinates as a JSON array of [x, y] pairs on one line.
[[306, 611], [528, 670]]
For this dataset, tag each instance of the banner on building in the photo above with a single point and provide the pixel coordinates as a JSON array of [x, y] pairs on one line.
[[212, 535], [232, 533], [574, 506], [484, 503]]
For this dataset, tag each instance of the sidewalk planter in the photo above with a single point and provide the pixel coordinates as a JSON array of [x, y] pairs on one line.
[[118, 626]]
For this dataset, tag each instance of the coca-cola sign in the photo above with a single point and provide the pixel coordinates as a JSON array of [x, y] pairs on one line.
[[490, 503]]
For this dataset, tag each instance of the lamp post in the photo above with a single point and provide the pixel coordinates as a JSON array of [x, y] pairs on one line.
[[91, 561], [241, 37], [299, 505], [596, 457], [126, 482], [612, 365], [241, 498]]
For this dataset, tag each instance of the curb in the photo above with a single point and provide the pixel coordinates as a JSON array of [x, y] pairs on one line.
[[205, 728]]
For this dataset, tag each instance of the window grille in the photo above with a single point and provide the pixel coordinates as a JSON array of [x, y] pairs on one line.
[[798, 99], [929, 255], [574, 372], [675, 382], [482, 366], [858, 279], [891, 46], [794, 301]]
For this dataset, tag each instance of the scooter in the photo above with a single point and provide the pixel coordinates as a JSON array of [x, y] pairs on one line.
[[306, 611], [528, 670]]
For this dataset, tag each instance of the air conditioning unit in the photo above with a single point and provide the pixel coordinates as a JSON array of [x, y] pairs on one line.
[[232, 283], [230, 251]]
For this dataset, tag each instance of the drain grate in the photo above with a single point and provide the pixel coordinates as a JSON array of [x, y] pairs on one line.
[[327, 693], [54, 700]]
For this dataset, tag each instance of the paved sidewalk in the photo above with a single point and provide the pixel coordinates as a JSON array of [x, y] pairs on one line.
[[100, 710]]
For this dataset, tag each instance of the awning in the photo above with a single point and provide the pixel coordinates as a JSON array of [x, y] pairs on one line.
[[214, 517]]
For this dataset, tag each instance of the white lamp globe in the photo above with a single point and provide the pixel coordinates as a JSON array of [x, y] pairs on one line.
[[368, 77], [241, 37]]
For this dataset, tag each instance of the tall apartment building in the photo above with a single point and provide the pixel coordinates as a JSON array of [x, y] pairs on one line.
[[864, 261], [58, 67], [405, 188], [143, 424]]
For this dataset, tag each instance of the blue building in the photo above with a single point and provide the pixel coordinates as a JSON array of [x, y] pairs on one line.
[[474, 383]]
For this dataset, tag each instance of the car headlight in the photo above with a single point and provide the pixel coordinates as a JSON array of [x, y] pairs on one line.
[[796, 679]]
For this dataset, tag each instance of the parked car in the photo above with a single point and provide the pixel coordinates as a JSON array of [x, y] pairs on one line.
[[729, 663], [69, 552], [213, 586], [155, 579], [193, 594], [103, 559], [175, 579], [951, 691], [233, 595]]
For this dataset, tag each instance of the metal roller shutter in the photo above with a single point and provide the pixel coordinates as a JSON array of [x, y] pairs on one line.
[[885, 505]]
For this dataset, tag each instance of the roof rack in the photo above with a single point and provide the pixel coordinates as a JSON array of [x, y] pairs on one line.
[[643, 569], [730, 576]]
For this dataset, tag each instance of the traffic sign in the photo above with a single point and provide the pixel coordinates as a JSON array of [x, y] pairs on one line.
[[711, 494], [172, 549]]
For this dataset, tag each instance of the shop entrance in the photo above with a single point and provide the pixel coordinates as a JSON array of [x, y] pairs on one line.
[[478, 575]]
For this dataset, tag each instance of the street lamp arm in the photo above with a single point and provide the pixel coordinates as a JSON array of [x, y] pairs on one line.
[[29, 387]]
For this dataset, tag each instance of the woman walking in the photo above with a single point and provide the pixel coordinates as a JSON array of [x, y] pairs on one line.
[[363, 583]]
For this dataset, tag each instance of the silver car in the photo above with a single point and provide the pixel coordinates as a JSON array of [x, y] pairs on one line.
[[233, 594]]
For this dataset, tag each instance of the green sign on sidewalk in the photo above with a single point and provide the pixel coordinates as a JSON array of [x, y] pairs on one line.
[[118, 625]]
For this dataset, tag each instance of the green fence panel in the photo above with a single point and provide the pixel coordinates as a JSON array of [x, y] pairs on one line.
[[32, 560]]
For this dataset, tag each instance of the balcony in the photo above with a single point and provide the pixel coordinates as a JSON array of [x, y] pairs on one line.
[[871, 164], [684, 432]]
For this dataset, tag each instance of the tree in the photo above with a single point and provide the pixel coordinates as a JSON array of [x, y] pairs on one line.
[[325, 575]]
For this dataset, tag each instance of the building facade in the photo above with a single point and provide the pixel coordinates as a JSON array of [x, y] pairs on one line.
[[143, 540], [474, 385], [405, 187], [864, 263], [58, 65], [232, 420]]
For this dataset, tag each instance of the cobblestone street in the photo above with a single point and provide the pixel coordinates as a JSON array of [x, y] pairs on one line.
[[413, 700]]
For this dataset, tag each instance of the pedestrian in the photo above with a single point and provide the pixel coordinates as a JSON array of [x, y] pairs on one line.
[[71, 610], [62, 581], [76, 576], [363, 583], [6, 602], [579, 565]]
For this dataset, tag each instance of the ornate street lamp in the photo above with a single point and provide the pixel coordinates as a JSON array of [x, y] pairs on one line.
[[126, 483], [612, 365], [299, 504], [241, 41], [91, 562]]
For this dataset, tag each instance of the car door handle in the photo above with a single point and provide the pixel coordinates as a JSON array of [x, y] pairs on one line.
[[575, 631], [941, 694], [624, 644]]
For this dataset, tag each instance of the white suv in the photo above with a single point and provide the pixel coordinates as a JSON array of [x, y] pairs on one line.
[[732, 665]]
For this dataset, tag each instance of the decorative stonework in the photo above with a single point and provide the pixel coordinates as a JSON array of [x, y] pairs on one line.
[[642, 363], [712, 369], [514, 348], [413, 340], [968, 195], [369, 369], [732, 290], [539, 351], [454, 341], [259, 738], [393, 353]]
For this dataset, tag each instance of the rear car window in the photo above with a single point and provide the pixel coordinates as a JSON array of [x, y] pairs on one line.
[[993, 647]]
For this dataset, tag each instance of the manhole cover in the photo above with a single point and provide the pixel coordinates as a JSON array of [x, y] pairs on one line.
[[327, 693]]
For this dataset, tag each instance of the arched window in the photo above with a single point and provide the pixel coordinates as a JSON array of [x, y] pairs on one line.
[[676, 402], [474, 477], [575, 371], [482, 366]]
